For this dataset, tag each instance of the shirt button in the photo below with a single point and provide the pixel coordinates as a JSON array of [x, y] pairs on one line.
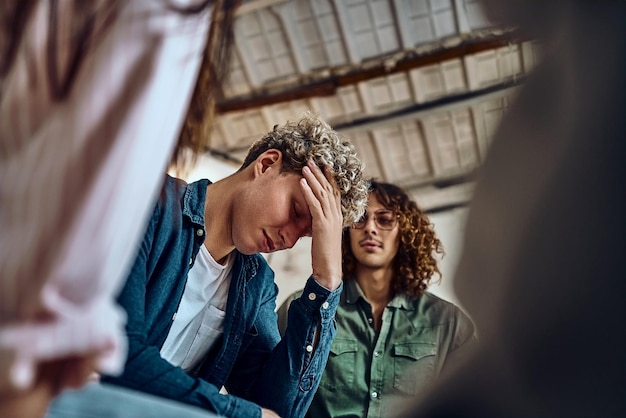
[[191, 261], [376, 354], [309, 348], [369, 320], [199, 232], [374, 395], [325, 305], [312, 296]]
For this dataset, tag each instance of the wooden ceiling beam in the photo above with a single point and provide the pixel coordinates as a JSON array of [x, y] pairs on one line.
[[327, 86]]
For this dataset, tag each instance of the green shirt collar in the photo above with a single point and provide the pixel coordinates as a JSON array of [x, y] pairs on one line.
[[354, 293]]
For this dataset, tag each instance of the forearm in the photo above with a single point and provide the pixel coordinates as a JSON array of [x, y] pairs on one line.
[[148, 372]]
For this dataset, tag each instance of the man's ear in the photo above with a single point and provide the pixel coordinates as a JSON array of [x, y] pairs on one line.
[[270, 158]]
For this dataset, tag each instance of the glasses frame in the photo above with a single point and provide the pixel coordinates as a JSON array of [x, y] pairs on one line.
[[366, 218]]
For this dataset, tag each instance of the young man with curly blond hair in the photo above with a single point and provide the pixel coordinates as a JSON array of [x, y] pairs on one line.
[[201, 300], [393, 337]]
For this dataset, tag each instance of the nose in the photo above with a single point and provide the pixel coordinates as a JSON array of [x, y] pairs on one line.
[[289, 239], [370, 225], [289, 243], [294, 232]]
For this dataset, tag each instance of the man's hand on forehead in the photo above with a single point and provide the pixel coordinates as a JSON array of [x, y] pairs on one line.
[[322, 195]]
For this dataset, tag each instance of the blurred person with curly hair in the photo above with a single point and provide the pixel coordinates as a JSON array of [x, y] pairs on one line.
[[200, 298], [394, 338]]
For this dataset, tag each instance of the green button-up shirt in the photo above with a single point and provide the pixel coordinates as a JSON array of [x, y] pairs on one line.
[[372, 375]]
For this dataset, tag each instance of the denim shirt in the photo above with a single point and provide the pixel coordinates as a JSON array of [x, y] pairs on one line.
[[250, 360]]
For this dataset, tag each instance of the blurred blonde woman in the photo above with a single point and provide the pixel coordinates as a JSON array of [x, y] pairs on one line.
[[94, 103]]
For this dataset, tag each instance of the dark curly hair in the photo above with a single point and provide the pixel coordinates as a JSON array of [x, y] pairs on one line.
[[415, 263]]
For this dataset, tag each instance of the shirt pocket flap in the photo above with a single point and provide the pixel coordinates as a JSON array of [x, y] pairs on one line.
[[341, 346], [414, 350]]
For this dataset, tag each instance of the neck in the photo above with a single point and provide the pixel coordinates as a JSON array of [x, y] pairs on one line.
[[375, 284], [218, 218]]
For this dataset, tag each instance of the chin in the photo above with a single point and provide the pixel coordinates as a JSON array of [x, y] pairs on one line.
[[371, 264], [248, 251]]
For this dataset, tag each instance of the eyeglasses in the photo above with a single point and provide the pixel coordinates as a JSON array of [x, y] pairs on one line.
[[384, 219]]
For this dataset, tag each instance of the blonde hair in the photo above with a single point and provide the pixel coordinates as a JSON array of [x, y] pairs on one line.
[[310, 138], [89, 22]]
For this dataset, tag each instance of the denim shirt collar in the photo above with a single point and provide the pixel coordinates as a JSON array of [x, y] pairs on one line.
[[193, 201]]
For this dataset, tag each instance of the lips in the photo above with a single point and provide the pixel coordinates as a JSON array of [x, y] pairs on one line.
[[369, 244]]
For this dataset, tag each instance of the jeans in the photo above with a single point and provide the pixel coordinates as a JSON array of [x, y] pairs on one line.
[[97, 400]]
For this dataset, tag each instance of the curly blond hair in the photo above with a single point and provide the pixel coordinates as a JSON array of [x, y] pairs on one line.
[[415, 263], [310, 138]]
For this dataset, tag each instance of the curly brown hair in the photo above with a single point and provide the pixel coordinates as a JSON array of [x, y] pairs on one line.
[[416, 261]]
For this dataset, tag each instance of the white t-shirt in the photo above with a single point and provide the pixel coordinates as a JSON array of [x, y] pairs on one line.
[[199, 321]]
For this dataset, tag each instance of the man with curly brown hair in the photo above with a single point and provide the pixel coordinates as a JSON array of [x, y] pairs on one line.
[[393, 337]]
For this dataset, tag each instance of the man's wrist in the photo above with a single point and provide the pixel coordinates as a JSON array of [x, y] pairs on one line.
[[328, 284], [329, 279]]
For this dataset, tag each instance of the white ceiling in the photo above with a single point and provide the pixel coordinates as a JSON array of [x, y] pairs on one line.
[[419, 86]]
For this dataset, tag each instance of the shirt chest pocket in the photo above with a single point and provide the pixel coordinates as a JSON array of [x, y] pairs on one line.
[[339, 372], [414, 366], [209, 331]]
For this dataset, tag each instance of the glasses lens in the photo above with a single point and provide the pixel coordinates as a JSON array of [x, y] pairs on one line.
[[385, 219], [361, 222]]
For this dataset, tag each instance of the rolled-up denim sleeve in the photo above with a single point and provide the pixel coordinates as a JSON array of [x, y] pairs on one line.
[[294, 368]]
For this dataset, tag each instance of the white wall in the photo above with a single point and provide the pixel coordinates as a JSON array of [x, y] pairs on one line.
[[449, 227], [293, 267]]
